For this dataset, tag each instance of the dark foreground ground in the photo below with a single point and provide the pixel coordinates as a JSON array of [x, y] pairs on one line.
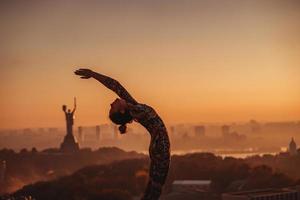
[[126, 179]]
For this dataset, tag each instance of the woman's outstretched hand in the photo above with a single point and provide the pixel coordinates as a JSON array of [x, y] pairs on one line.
[[84, 73]]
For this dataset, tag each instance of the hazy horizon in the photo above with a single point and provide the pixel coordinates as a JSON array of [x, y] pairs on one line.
[[62, 125], [193, 61]]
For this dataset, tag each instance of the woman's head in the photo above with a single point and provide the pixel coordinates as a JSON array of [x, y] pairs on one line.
[[119, 114]]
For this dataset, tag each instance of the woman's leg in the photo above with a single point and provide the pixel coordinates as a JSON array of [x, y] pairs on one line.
[[159, 167]]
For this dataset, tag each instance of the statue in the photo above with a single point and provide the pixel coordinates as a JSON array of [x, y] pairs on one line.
[[69, 117], [69, 144]]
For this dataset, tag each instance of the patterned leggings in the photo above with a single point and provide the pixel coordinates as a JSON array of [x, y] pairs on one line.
[[159, 167]]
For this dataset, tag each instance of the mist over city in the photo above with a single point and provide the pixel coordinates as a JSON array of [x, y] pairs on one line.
[[241, 138]]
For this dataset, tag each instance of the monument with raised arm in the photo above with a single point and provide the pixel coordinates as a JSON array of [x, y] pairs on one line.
[[69, 145]]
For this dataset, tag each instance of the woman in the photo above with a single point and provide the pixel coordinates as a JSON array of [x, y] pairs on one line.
[[125, 110]]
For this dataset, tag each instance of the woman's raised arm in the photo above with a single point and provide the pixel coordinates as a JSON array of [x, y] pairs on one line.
[[108, 82]]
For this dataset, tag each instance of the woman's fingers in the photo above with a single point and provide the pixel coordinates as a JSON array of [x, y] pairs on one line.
[[80, 72], [77, 72], [84, 73]]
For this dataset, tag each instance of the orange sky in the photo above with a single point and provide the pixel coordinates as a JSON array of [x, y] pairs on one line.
[[193, 61]]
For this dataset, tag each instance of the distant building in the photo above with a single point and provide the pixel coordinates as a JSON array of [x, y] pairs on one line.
[[98, 132], [225, 130], [293, 148], [264, 194], [191, 185], [172, 130], [199, 131], [80, 134], [254, 126], [52, 130], [27, 131], [41, 130]]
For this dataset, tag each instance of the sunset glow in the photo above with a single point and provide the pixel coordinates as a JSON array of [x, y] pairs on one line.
[[201, 61]]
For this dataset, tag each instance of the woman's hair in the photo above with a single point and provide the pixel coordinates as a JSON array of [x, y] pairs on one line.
[[121, 119]]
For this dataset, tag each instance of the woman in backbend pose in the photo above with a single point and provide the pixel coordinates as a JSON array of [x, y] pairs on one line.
[[125, 110]]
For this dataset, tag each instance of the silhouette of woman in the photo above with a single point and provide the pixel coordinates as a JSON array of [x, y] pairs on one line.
[[125, 110]]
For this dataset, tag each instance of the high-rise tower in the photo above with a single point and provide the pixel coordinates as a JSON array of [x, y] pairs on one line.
[[293, 147]]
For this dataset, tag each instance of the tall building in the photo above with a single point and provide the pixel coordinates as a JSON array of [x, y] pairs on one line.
[[98, 132], [27, 131], [293, 147], [41, 130], [80, 134], [52, 130], [199, 131], [225, 130]]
